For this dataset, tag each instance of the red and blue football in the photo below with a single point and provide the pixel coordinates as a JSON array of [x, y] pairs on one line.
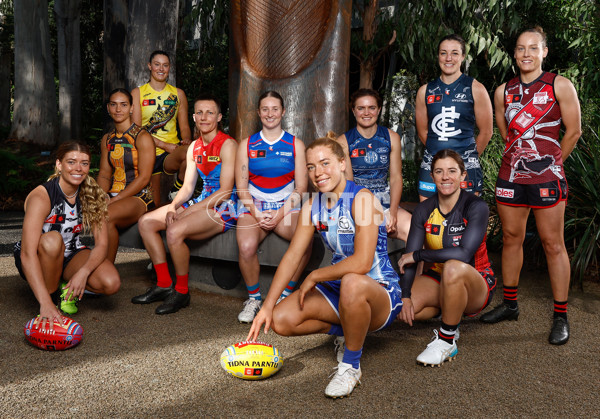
[[63, 337]]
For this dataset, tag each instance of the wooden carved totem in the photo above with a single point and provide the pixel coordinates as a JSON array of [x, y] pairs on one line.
[[298, 48]]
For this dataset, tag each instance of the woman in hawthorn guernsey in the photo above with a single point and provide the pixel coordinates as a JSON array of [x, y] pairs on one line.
[[50, 251], [126, 160], [359, 292], [372, 153], [457, 277], [447, 111], [529, 112], [210, 157], [270, 179], [160, 108]]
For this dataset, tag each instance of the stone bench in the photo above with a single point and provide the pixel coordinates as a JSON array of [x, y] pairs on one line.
[[213, 262]]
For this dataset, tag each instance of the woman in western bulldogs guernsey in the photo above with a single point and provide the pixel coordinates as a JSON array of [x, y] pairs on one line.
[[359, 291], [55, 215], [446, 113], [457, 277], [529, 111]]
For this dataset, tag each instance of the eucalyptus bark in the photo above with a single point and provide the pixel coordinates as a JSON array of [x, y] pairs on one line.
[[69, 68], [35, 112]]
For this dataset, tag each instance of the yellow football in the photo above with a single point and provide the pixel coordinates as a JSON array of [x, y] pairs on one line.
[[251, 360]]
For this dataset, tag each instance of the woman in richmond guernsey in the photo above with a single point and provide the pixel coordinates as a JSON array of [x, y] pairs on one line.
[[50, 255], [457, 277], [529, 111], [126, 160], [372, 153], [359, 292], [447, 111], [270, 178]]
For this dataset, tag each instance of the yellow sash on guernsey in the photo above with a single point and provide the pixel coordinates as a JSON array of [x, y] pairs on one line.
[[159, 113]]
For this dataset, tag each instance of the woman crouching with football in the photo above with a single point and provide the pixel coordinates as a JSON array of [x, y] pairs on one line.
[[50, 251], [359, 292]]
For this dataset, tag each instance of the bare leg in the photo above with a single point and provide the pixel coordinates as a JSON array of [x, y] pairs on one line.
[[51, 249], [514, 224], [122, 214]]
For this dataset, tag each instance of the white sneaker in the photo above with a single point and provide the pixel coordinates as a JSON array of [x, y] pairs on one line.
[[172, 195], [150, 266], [340, 347], [251, 307], [437, 352], [345, 378], [280, 299]]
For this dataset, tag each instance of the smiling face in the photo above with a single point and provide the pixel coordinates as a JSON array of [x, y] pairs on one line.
[[325, 169], [366, 111], [450, 57], [74, 167], [270, 112], [447, 176], [159, 67], [206, 116], [119, 107], [530, 52]]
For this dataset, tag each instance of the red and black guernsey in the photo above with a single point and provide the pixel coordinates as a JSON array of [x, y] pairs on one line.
[[532, 154], [458, 235]]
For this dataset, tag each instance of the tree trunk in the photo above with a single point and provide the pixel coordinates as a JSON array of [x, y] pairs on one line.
[[367, 65], [69, 68], [34, 116], [152, 25], [5, 81], [115, 39]]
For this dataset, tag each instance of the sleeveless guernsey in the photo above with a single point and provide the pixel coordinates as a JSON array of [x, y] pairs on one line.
[[159, 113]]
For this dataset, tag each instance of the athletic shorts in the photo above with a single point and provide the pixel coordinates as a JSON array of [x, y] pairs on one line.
[[226, 210], [17, 256], [488, 277], [331, 291], [266, 206], [472, 183], [145, 196], [159, 165], [539, 195]]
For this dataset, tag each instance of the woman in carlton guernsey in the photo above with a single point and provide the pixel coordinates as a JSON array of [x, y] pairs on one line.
[[50, 255], [447, 111], [457, 278], [270, 179], [529, 112], [126, 160], [372, 153], [359, 291]]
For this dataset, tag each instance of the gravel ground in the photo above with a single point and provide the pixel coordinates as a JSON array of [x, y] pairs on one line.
[[133, 363]]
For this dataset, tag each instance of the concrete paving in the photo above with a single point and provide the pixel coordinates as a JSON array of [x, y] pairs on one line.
[[133, 363]]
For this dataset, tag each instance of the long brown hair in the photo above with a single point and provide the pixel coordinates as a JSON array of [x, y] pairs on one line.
[[94, 203]]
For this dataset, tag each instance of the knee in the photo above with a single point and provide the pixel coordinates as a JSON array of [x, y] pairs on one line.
[[553, 246], [112, 284], [52, 244], [453, 273], [175, 234], [282, 322], [247, 248], [144, 223], [352, 289]]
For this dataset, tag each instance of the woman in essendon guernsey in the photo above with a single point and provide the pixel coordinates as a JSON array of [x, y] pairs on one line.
[[530, 110]]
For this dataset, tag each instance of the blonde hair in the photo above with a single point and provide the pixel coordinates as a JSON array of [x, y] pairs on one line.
[[328, 141], [94, 202]]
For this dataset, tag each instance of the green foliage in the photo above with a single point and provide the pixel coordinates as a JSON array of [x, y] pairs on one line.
[[20, 174], [582, 217]]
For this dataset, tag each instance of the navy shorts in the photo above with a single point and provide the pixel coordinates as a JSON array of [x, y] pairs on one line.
[[227, 210], [331, 291], [159, 164], [17, 255], [537, 195]]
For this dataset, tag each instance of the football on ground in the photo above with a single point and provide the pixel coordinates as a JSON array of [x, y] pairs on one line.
[[63, 337], [251, 360]]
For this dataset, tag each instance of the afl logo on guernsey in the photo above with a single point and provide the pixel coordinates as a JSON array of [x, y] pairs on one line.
[[434, 98]]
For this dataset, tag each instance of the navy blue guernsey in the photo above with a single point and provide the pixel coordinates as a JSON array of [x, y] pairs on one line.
[[370, 159], [458, 235], [450, 115]]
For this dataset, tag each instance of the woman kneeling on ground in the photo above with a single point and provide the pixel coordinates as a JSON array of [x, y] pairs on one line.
[[55, 214], [359, 292], [458, 278]]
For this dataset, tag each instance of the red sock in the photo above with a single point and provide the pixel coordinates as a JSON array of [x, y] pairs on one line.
[[163, 278], [181, 286]]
